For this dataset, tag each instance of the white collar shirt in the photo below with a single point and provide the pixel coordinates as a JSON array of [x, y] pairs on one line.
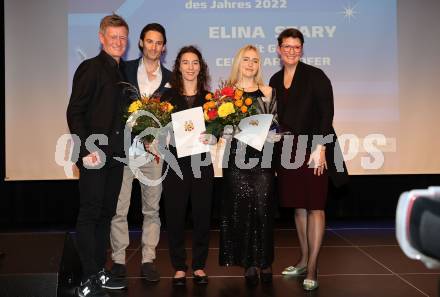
[[146, 86]]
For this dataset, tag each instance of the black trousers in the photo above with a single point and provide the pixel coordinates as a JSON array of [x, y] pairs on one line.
[[99, 191], [177, 194]]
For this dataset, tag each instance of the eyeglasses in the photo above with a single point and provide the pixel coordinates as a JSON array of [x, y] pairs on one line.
[[287, 48]]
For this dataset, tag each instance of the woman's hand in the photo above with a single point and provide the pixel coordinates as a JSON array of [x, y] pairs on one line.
[[318, 161], [151, 148], [273, 137], [207, 138]]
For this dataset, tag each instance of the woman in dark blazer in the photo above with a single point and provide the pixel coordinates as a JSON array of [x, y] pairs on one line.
[[305, 110], [189, 83]]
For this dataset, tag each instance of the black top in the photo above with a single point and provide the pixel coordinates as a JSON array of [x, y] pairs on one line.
[[265, 107], [179, 101], [97, 103], [254, 94], [190, 100]]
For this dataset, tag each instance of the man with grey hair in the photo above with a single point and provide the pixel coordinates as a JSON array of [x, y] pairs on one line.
[[95, 114]]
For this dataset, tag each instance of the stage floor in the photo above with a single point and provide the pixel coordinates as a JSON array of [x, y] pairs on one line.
[[355, 261]]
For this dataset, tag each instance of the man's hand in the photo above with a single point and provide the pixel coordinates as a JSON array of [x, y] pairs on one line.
[[92, 160]]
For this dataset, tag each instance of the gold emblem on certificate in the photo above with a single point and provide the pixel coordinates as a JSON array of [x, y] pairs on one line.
[[254, 130], [253, 122], [188, 126]]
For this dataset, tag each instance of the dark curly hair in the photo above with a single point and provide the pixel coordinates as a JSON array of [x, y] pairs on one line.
[[203, 77]]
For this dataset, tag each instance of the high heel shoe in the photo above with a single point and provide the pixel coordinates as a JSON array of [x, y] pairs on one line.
[[251, 276], [179, 281], [266, 276], [310, 284], [294, 271], [200, 279]]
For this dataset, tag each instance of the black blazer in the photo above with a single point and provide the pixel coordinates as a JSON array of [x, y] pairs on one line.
[[97, 103], [131, 68], [309, 110]]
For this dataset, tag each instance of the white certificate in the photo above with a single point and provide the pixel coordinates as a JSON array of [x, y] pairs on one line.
[[187, 127], [254, 130]]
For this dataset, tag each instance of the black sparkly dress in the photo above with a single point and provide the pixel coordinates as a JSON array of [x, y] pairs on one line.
[[246, 217]]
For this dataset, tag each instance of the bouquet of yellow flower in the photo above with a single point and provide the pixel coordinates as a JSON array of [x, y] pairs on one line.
[[145, 113], [226, 106]]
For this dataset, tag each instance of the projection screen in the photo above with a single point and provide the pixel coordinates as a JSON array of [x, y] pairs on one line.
[[381, 56]]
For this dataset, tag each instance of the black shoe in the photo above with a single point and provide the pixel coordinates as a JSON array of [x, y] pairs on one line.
[[251, 276], [90, 288], [200, 279], [118, 270], [149, 271], [179, 281], [111, 282], [266, 276]]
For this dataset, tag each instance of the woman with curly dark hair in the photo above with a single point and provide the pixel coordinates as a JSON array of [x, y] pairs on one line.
[[189, 83]]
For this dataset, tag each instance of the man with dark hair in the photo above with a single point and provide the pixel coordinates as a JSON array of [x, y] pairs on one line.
[[150, 78], [95, 114]]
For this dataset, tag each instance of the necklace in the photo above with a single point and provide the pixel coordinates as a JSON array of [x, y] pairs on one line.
[[248, 88]]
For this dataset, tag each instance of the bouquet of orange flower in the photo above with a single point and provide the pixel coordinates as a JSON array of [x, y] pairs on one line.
[[226, 106], [145, 113]]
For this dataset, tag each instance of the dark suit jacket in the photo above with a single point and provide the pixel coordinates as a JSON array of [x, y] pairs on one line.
[[309, 110], [96, 104], [131, 68]]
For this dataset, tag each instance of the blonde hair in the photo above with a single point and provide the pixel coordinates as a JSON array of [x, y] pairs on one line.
[[235, 74], [112, 20]]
